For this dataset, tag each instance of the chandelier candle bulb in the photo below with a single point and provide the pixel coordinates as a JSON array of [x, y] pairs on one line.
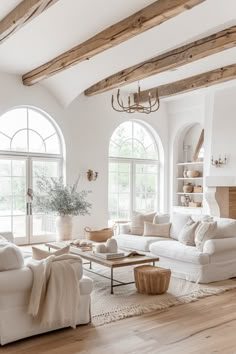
[[136, 106]]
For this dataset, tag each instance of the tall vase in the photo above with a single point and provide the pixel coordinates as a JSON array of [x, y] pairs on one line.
[[64, 226]]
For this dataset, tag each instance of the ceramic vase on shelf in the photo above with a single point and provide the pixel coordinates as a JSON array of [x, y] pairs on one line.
[[193, 173], [64, 224], [188, 188]]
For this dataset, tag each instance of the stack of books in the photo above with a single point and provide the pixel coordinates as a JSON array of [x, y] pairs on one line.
[[110, 255]]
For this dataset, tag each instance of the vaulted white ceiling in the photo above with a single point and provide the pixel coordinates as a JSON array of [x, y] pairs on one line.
[[70, 22]]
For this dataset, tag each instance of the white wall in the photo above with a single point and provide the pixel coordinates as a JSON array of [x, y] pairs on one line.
[[87, 125], [223, 131], [92, 122]]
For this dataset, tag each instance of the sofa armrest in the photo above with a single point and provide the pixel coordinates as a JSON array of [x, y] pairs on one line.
[[124, 228], [219, 245]]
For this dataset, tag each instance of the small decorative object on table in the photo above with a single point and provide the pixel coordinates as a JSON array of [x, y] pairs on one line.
[[110, 247]]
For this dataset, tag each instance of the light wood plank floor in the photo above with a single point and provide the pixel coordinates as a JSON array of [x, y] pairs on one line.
[[203, 327]]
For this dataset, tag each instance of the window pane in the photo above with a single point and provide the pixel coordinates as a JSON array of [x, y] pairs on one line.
[[5, 167], [36, 143], [151, 152], [4, 142], [19, 226], [5, 223], [13, 121], [5, 205], [126, 149], [5, 186], [132, 142], [20, 141], [53, 145], [139, 151], [39, 123], [43, 224], [18, 186], [113, 182], [18, 168], [19, 205], [45, 168], [25, 129]]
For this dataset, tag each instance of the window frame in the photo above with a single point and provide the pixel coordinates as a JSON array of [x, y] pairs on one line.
[[133, 162], [28, 153]]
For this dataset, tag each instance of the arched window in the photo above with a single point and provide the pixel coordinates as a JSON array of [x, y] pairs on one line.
[[30, 146], [133, 171], [28, 130]]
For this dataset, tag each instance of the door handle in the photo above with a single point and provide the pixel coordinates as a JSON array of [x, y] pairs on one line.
[[29, 208]]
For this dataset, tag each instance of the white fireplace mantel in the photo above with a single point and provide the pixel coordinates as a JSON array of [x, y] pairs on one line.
[[220, 181]]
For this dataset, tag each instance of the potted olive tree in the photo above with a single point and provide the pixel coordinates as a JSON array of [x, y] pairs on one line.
[[53, 196]]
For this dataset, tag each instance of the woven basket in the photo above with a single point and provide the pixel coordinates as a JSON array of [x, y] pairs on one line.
[[99, 235]]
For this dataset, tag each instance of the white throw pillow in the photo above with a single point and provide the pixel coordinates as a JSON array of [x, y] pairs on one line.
[[137, 222], [39, 254], [160, 230], [161, 219], [178, 221], [205, 231], [187, 233], [225, 227], [11, 257]]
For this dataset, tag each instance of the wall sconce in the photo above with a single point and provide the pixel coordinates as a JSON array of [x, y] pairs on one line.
[[220, 162], [92, 176]]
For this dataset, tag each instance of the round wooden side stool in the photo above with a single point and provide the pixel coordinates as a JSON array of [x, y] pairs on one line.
[[151, 280]]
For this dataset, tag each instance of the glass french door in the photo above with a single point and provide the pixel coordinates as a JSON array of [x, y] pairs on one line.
[[18, 178]]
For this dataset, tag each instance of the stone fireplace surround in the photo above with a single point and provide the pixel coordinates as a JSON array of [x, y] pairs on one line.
[[220, 195]]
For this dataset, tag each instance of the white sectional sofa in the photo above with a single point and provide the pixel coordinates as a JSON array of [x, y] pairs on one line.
[[217, 260]]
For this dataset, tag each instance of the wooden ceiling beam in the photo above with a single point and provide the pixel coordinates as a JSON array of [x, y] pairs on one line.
[[175, 58], [21, 15], [196, 82], [152, 15]]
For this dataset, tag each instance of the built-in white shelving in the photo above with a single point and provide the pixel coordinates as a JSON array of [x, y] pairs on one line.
[[195, 181], [190, 163]]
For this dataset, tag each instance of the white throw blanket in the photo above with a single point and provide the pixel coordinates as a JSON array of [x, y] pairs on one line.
[[55, 294]]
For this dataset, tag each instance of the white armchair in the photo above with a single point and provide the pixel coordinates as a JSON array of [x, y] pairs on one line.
[[15, 289]]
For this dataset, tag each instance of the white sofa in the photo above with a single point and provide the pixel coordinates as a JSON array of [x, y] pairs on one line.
[[216, 262], [15, 288]]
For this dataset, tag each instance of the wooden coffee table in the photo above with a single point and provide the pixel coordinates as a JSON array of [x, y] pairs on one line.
[[112, 264]]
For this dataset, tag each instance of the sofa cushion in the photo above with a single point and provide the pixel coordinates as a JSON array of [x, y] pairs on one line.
[[187, 233], [178, 221], [134, 242], [11, 257], [205, 231], [179, 251], [161, 230], [161, 219], [137, 222], [225, 228]]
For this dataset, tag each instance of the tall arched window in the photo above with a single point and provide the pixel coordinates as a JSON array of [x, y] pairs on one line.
[[30, 146], [133, 171]]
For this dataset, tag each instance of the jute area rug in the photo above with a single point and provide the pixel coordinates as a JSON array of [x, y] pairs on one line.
[[127, 302]]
